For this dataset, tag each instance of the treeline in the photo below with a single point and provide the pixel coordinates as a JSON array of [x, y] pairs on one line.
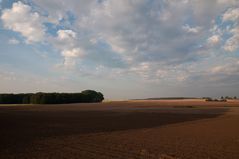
[[222, 99], [171, 98], [227, 97], [87, 96]]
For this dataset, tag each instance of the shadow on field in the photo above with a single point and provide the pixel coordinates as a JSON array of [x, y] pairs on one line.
[[20, 127]]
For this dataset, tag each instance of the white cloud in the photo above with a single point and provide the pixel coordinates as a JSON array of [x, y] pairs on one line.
[[189, 29], [75, 52], [13, 41], [231, 14], [67, 43], [65, 39], [147, 36], [66, 34], [57, 9], [155, 40], [20, 18], [232, 43], [214, 39]]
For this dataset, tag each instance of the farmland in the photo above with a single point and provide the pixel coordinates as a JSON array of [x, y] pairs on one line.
[[136, 129]]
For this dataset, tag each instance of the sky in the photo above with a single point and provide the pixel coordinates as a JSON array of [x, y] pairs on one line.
[[125, 49]]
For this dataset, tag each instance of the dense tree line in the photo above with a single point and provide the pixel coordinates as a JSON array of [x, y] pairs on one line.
[[87, 96]]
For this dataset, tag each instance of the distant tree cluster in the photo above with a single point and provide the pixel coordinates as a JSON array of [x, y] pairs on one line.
[[209, 99], [87, 96], [227, 97], [223, 99]]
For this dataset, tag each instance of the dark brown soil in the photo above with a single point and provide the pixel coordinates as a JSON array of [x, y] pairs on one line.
[[136, 129]]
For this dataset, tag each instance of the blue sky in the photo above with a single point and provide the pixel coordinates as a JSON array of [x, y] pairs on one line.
[[125, 49]]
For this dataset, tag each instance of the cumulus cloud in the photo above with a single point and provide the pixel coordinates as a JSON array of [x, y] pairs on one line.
[[20, 18], [57, 9], [151, 33], [147, 36], [232, 43], [66, 42], [66, 35], [155, 40], [75, 52], [189, 29], [231, 14], [70, 56], [213, 40]]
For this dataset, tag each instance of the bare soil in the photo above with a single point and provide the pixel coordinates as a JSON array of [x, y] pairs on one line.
[[166, 129]]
